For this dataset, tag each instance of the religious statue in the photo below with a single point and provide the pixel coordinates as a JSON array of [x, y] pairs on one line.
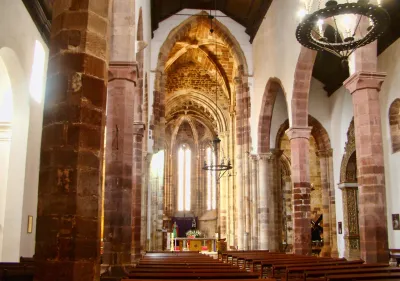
[[175, 229], [194, 225]]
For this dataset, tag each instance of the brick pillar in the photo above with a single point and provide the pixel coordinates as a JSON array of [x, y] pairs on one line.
[[299, 144], [68, 216], [365, 87], [254, 203], [119, 166], [263, 179], [325, 184]]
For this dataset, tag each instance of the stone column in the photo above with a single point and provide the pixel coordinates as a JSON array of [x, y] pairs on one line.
[[145, 190], [350, 221], [325, 184], [299, 143], [332, 208], [247, 178], [118, 192], [287, 198], [364, 88], [239, 165], [263, 197], [138, 133], [253, 203], [274, 201], [69, 210]]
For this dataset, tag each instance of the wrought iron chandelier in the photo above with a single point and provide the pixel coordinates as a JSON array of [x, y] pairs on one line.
[[341, 28], [225, 163]]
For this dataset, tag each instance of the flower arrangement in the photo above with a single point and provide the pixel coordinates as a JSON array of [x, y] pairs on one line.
[[194, 233]]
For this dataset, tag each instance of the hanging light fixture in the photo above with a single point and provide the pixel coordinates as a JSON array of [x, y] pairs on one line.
[[225, 163], [354, 24]]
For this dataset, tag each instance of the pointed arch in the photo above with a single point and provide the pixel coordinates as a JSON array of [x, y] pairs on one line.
[[301, 87], [241, 71], [274, 85]]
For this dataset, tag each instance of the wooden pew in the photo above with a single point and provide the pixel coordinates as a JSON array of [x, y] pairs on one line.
[[395, 255], [365, 276], [16, 271], [195, 275], [319, 270]]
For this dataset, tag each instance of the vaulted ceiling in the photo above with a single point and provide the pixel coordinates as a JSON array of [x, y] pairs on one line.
[[199, 79], [248, 13]]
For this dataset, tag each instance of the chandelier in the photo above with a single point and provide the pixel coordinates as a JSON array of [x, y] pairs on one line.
[[340, 28], [225, 163]]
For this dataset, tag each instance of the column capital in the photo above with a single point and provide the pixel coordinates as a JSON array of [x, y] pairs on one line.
[[5, 131], [237, 80], [123, 71], [287, 179], [266, 156], [325, 153], [348, 185], [254, 157], [364, 80], [138, 128], [298, 132]]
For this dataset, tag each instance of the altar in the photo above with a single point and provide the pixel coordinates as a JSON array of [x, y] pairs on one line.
[[193, 244]]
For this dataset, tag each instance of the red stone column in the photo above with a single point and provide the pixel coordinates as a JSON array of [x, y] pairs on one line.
[[365, 87], [119, 167], [299, 144], [68, 217]]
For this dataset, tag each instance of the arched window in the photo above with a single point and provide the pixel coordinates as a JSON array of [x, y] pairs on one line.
[[211, 182], [394, 122], [184, 178]]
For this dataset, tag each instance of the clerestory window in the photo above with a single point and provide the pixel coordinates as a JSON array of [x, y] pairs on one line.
[[184, 178]]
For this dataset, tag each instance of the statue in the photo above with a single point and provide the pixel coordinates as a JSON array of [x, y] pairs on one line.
[[175, 229], [194, 225]]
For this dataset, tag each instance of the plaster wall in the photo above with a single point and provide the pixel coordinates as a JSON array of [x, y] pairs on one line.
[[279, 115], [341, 109], [275, 55], [318, 105], [17, 52], [388, 62]]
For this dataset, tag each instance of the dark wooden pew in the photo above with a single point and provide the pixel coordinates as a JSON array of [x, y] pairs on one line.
[[395, 255], [317, 269], [362, 271], [196, 275], [365, 276]]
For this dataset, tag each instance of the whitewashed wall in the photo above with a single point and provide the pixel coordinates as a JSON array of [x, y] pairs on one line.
[[17, 51], [279, 115], [275, 52], [389, 62]]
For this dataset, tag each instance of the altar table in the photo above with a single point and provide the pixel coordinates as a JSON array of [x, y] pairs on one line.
[[194, 244]]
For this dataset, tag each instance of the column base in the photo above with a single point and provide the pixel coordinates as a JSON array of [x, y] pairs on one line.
[[114, 272], [325, 251]]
